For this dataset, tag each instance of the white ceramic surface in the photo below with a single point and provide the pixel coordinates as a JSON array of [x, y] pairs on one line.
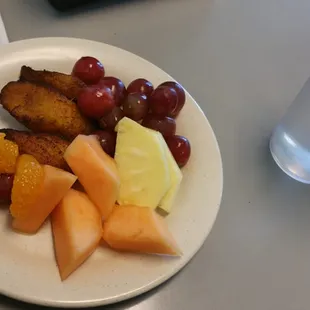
[[27, 265], [3, 36]]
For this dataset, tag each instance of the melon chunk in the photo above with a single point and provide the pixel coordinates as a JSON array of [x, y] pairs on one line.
[[56, 184], [95, 170], [77, 230], [138, 229]]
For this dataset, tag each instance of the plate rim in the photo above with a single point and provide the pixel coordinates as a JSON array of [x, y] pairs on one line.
[[160, 280]]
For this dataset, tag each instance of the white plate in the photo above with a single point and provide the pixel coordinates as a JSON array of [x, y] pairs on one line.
[[27, 265]]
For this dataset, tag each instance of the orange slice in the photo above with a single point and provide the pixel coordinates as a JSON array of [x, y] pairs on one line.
[[8, 155], [27, 185]]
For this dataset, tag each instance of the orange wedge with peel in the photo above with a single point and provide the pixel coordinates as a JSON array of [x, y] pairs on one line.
[[28, 182], [36, 191], [8, 155]]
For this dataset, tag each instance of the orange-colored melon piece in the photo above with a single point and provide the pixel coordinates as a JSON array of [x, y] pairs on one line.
[[55, 185], [95, 170], [77, 230], [138, 229], [8, 155]]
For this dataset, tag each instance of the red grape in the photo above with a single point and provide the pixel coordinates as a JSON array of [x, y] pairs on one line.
[[110, 120], [163, 101], [180, 149], [88, 69], [165, 125], [135, 106], [6, 184], [141, 86], [107, 141], [181, 96], [95, 102], [117, 87]]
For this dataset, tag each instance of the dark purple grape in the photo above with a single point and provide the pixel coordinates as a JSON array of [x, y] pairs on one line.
[[141, 86], [6, 184], [135, 106], [165, 125], [107, 141], [95, 101], [88, 69], [181, 96], [117, 87], [163, 101], [180, 149], [110, 120]]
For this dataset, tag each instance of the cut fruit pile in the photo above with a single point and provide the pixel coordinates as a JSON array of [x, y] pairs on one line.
[[117, 205], [107, 185]]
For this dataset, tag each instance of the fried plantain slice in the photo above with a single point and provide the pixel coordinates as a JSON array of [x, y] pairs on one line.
[[43, 110], [47, 149], [68, 85]]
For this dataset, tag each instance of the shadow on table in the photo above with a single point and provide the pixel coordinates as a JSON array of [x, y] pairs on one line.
[[17, 305], [93, 5]]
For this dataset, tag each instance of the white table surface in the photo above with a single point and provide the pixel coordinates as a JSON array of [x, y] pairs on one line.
[[244, 61]]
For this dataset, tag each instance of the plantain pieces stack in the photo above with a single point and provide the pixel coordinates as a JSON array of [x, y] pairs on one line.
[[43, 101]]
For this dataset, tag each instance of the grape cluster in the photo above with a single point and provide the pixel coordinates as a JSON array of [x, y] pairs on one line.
[[107, 100]]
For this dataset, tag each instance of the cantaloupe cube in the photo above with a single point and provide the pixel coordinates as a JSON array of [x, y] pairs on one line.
[[56, 184], [95, 170], [77, 230], [138, 229]]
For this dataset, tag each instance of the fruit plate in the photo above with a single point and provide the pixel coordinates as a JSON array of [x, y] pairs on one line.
[[27, 264]]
